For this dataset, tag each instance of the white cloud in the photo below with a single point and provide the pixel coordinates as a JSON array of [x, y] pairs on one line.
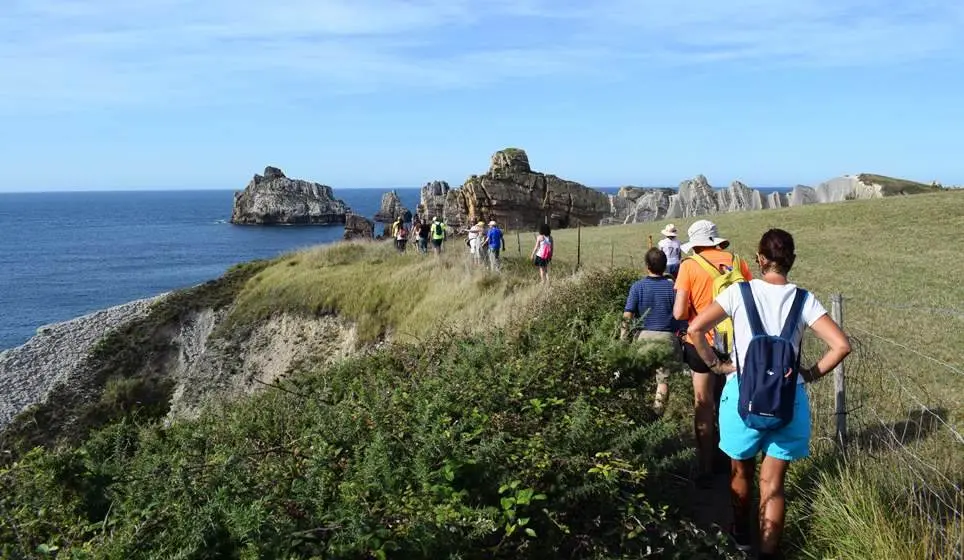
[[70, 53]]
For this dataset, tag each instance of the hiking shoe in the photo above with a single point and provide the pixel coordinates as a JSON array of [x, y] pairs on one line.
[[741, 539]]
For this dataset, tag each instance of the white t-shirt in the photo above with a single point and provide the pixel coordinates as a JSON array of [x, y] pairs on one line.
[[773, 303], [670, 246]]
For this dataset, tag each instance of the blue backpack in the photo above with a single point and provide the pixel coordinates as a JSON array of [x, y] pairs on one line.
[[768, 379]]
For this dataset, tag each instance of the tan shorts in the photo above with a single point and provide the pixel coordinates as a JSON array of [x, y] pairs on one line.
[[675, 365]]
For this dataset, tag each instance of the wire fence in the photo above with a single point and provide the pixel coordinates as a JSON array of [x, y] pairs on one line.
[[894, 416]]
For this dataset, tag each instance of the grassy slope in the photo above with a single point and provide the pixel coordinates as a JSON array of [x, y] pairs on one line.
[[892, 186]]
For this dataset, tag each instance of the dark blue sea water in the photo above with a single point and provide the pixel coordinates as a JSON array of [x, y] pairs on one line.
[[67, 254], [63, 255]]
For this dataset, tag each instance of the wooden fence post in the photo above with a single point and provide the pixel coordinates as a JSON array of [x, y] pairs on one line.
[[839, 381], [612, 254], [578, 244]]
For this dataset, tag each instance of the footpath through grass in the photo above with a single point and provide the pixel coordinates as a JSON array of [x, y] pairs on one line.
[[521, 443], [899, 265]]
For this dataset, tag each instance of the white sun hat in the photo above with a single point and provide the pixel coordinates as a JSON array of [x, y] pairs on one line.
[[669, 231], [703, 233]]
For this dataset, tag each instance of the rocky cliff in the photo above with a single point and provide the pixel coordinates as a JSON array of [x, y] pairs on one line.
[[514, 195], [696, 197], [391, 208], [432, 204], [358, 227], [173, 353], [273, 198]]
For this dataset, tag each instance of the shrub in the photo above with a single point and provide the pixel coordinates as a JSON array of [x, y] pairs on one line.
[[521, 444]]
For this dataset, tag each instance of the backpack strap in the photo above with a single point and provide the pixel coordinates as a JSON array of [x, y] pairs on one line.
[[756, 324], [796, 311], [707, 266]]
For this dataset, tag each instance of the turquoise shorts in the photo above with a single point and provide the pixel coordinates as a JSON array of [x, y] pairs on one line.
[[789, 443]]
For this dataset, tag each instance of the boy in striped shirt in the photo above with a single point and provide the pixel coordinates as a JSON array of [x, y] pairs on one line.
[[651, 299]]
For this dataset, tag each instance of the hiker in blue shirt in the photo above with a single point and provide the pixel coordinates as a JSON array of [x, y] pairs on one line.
[[651, 301], [496, 242]]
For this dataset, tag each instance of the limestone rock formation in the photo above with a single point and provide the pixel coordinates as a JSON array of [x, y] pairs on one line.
[[358, 227], [432, 203], [517, 197], [273, 198], [802, 194], [392, 208], [695, 197]]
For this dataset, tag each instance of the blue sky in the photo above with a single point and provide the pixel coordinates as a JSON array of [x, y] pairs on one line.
[[114, 94]]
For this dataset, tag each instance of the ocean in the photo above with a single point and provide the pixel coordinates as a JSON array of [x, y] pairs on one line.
[[67, 254]]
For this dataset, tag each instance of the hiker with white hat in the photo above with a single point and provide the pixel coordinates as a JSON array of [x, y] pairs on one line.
[[670, 246], [475, 239], [701, 278]]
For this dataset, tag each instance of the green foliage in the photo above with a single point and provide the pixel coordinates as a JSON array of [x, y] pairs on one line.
[[523, 443], [127, 370]]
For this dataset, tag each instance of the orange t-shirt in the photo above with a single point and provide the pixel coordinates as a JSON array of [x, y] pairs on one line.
[[699, 284]]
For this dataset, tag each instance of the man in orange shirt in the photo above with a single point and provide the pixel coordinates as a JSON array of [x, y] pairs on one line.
[[694, 292]]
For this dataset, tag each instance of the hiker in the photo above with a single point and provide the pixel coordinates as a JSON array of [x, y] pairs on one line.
[[779, 424], [651, 299], [711, 268], [401, 237], [396, 225], [496, 242], [475, 242], [542, 253], [423, 231], [670, 246], [438, 236]]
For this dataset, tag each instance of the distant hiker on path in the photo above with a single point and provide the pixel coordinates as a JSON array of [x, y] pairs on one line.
[[423, 231], [700, 278], [496, 242], [651, 299], [670, 246], [401, 237], [476, 240], [438, 236], [760, 412], [542, 253]]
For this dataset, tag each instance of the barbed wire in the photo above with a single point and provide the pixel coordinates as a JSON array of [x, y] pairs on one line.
[[946, 311], [905, 347]]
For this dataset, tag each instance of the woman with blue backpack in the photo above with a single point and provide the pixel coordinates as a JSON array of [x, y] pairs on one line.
[[764, 407]]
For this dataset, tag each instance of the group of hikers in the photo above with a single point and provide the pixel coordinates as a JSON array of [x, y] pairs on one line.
[[739, 338], [486, 245]]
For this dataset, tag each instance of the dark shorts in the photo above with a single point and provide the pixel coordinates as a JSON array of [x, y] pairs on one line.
[[436, 243], [673, 269], [695, 362], [541, 262]]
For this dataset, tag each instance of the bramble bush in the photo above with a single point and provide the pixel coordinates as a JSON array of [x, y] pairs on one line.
[[521, 444]]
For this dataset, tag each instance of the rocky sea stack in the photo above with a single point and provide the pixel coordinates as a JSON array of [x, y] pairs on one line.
[[274, 199], [392, 208], [517, 197]]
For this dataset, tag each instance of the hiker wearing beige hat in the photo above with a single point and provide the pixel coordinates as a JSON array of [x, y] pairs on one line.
[[475, 242], [670, 247], [701, 277]]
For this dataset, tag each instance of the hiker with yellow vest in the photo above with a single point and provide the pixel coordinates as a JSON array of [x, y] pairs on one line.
[[701, 278]]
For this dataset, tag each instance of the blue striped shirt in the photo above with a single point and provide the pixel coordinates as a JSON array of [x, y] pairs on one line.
[[652, 298]]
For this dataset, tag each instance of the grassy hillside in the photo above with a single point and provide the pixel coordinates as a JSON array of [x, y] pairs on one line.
[[892, 186], [413, 449]]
